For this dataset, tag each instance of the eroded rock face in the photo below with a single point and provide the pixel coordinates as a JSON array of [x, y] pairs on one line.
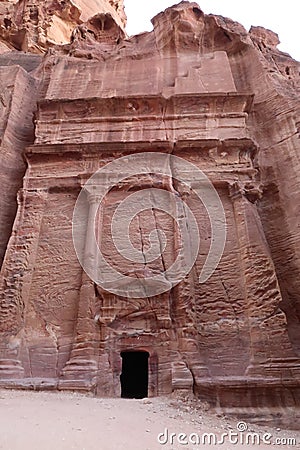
[[199, 88], [17, 102], [37, 25]]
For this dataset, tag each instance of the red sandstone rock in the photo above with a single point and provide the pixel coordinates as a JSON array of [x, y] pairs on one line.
[[18, 90], [35, 26], [201, 88]]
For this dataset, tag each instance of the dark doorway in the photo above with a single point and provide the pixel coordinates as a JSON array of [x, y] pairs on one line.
[[134, 376]]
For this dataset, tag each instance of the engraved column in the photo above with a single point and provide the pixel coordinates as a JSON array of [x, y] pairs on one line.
[[82, 367]]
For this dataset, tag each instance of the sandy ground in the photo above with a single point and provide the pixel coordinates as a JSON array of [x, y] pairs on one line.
[[66, 421]]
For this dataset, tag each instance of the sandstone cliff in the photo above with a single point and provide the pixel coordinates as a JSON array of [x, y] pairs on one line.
[[199, 87], [35, 26]]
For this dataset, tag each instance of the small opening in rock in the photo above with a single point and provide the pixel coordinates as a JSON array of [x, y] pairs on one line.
[[287, 70], [227, 36], [198, 13], [33, 13], [108, 23], [7, 23], [134, 376], [114, 4]]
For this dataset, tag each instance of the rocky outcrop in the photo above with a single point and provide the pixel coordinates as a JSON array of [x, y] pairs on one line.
[[275, 125], [36, 26], [17, 103], [199, 88]]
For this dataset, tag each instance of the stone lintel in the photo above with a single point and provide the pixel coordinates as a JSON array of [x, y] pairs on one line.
[[224, 102], [75, 151]]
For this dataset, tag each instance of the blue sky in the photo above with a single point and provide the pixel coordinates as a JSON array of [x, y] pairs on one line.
[[281, 17]]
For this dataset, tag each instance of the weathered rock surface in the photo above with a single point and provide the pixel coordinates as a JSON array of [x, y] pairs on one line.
[[37, 25], [18, 91], [198, 87]]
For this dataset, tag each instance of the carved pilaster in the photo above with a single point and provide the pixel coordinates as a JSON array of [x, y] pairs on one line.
[[82, 367], [191, 365]]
